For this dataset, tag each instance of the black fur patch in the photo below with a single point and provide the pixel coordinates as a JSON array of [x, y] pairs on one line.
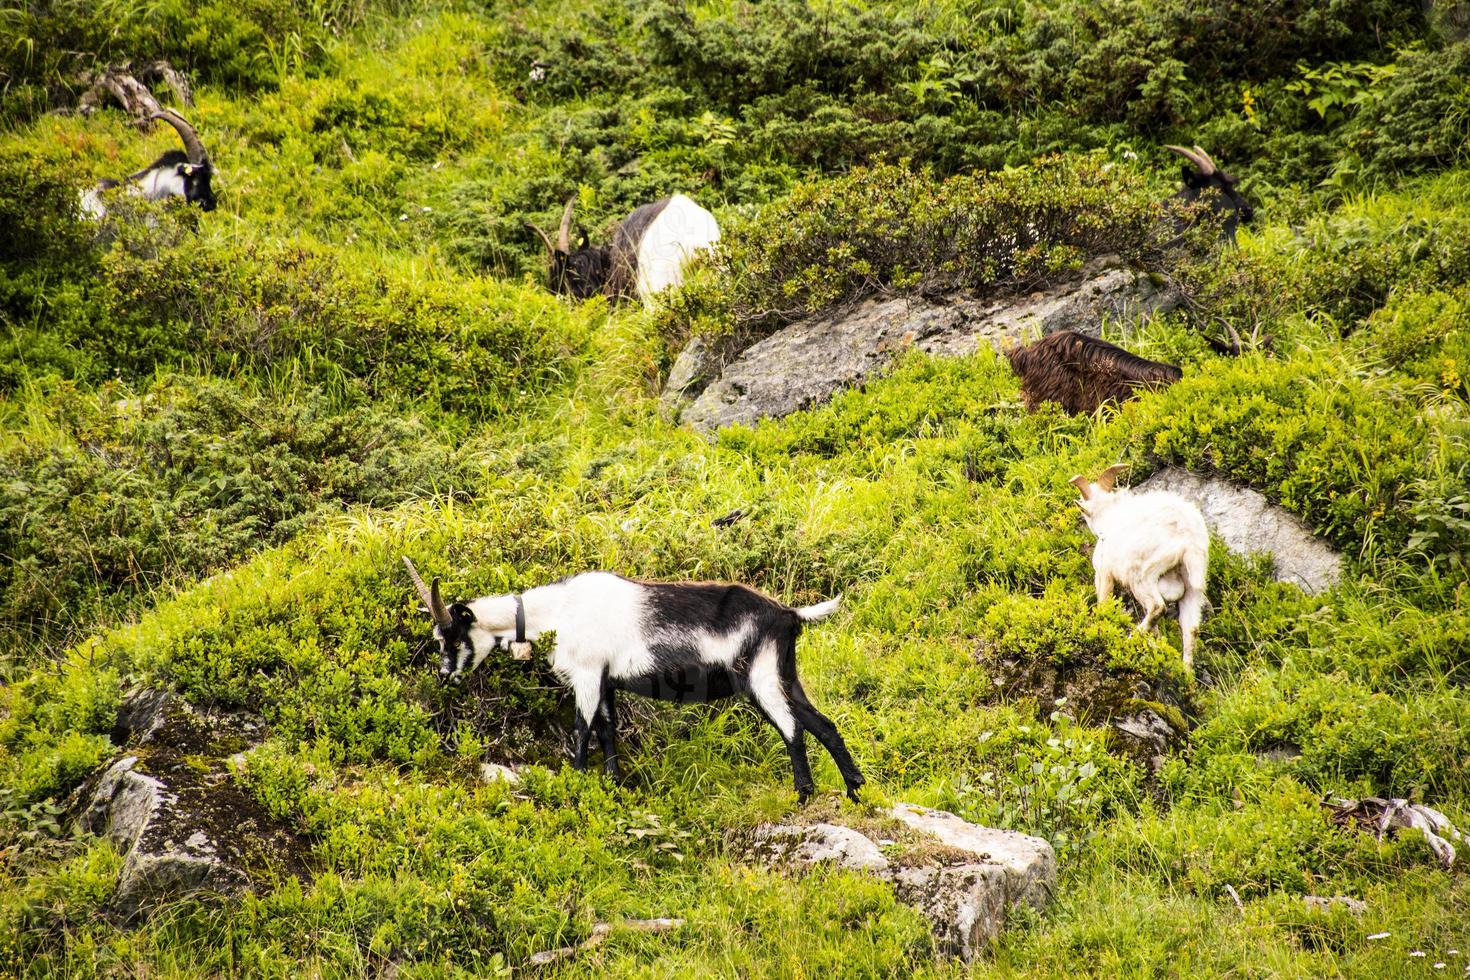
[[690, 684], [622, 273], [1219, 192]]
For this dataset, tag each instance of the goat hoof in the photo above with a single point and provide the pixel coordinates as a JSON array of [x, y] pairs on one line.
[[852, 795], [803, 797]]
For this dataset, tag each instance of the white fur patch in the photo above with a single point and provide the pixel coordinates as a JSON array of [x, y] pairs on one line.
[[765, 687], [680, 231]]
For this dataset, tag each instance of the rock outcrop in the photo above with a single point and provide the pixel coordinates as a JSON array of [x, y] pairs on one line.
[[1248, 524], [805, 363], [171, 806], [965, 879]]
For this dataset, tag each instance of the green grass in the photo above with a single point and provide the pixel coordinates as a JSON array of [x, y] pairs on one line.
[[353, 359]]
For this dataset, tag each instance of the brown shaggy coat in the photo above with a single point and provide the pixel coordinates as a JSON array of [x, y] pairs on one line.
[[1081, 372]]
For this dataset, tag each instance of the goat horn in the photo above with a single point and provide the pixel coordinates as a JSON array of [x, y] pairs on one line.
[[1109, 476], [429, 595], [1206, 157], [564, 234], [1083, 487], [1201, 162], [195, 149], [544, 237]]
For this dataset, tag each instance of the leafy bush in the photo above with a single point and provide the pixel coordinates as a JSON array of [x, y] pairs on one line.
[[891, 228], [118, 495]]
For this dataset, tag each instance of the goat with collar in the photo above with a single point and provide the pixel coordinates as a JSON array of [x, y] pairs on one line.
[[676, 641]]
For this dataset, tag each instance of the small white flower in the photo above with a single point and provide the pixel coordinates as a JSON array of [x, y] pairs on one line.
[[1417, 952], [1129, 155], [1379, 935], [403, 217], [1439, 966], [426, 209], [538, 73]]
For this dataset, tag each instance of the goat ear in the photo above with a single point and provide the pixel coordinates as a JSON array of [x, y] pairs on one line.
[[1083, 486], [1109, 476]]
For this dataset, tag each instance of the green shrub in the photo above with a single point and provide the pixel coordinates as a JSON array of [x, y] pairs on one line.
[[118, 495], [890, 228]]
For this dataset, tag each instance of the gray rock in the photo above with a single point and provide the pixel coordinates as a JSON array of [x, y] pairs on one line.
[[1147, 736], [967, 896], [171, 807], [491, 772], [969, 903], [141, 714], [808, 361], [699, 363], [1326, 903], [138, 814], [1247, 523], [821, 843]]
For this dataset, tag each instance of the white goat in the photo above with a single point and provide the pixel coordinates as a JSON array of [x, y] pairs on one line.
[[1154, 544], [676, 641]]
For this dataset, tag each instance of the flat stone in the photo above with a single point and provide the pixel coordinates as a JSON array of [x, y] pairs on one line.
[[967, 902], [1029, 863], [1247, 523], [821, 843], [805, 363], [492, 772]]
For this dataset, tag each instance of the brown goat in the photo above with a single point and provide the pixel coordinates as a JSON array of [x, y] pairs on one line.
[[1081, 372]]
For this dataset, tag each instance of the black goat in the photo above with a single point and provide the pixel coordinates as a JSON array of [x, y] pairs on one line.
[[676, 641], [1205, 182]]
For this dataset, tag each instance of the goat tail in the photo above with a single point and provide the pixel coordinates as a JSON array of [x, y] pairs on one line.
[[810, 614]]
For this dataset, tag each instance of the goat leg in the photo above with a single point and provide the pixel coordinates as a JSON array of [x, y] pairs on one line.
[[607, 732]]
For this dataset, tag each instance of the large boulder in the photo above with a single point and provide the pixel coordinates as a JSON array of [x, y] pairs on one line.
[[1247, 523], [965, 879], [807, 362], [171, 806]]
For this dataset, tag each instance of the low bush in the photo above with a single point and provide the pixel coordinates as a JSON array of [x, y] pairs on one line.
[[891, 228], [112, 497]]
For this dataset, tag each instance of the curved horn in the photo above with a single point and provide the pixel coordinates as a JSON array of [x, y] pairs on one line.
[[1207, 159], [1083, 486], [564, 235], [1109, 476], [429, 595], [1201, 162], [544, 237], [195, 149]]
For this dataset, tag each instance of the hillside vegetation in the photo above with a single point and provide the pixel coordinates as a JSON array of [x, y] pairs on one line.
[[222, 431]]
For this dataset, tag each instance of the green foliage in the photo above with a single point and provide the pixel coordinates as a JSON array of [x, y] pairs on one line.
[[891, 228], [115, 495], [190, 399]]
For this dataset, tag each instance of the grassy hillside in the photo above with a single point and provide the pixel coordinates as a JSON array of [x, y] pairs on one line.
[[223, 430]]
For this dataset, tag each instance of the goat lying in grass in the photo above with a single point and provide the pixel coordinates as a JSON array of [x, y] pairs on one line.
[[685, 641], [1154, 544], [1080, 372]]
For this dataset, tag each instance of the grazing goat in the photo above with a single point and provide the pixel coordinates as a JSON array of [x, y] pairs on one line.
[[1081, 372], [1154, 544], [183, 174], [647, 254], [685, 641], [1204, 180]]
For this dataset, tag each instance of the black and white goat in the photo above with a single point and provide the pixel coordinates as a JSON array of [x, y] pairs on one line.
[[1205, 181], [185, 174], [675, 641], [647, 254]]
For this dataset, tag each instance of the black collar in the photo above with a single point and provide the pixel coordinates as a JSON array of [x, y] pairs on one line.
[[520, 620]]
